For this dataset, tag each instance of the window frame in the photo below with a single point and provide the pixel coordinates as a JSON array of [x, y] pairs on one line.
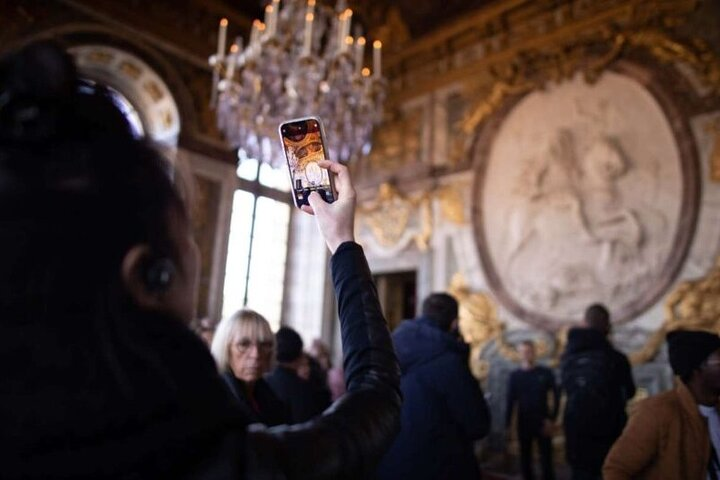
[[257, 190]]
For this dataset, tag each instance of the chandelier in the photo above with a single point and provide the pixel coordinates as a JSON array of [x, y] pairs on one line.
[[302, 60]]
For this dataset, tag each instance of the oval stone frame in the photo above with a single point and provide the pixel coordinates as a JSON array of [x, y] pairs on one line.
[[658, 83]]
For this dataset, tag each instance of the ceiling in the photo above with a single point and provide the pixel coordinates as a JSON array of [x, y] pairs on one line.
[[418, 16]]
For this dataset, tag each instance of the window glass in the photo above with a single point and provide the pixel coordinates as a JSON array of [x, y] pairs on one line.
[[248, 167], [267, 261], [278, 178], [236, 266]]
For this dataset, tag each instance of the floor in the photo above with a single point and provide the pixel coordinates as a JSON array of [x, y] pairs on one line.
[[507, 467]]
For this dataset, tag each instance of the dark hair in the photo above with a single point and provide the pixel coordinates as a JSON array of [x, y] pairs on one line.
[[441, 308], [597, 317], [288, 345], [77, 191]]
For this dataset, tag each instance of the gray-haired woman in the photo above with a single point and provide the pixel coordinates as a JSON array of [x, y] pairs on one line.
[[243, 349]]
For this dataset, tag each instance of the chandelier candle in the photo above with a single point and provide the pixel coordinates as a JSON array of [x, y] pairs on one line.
[[377, 47], [359, 54], [232, 59], [222, 39], [307, 42]]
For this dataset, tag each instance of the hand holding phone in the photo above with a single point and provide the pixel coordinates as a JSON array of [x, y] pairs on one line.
[[304, 146], [336, 221]]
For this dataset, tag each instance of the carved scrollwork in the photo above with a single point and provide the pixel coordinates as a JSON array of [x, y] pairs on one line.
[[452, 205], [395, 220], [480, 325], [534, 69], [697, 55], [693, 305], [389, 216]]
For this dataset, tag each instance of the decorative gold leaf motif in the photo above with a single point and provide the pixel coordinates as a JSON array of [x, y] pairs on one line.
[[693, 305], [389, 217], [130, 69], [451, 205]]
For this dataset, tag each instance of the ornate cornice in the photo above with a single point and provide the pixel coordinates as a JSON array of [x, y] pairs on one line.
[[516, 36]]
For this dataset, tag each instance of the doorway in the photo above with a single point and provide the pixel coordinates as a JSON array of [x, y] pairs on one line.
[[398, 296]]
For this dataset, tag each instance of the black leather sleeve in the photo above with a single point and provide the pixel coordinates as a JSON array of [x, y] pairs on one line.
[[347, 440]]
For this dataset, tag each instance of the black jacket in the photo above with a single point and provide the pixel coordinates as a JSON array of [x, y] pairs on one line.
[[531, 391], [444, 409], [304, 398], [271, 410], [141, 398]]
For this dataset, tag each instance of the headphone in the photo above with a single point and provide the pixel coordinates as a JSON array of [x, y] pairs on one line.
[[159, 275]]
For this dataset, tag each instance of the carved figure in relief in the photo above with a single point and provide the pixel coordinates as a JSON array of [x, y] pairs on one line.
[[570, 233]]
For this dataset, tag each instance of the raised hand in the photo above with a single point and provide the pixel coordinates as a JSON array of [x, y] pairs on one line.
[[336, 220]]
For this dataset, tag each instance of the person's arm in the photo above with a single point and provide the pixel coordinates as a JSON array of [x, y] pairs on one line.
[[349, 439], [636, 448], [555, 397], [628, 382], [510, 405]]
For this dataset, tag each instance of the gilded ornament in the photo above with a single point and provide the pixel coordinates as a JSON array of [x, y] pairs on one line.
[[130, 69], [479, 326], [698, 55], [486, 107], [388, 218], [693, 305], [558, 61], [451, 204]]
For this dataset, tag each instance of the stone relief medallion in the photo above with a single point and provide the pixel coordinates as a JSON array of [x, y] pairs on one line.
[[583, 195]]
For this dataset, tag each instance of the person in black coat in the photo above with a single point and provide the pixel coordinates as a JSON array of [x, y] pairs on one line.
[[530, 387], [101, 375], [243, 348], [597, 381], [305, 398], [444, 410]]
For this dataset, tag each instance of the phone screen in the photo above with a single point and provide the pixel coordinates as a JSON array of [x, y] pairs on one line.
[[304, 147]]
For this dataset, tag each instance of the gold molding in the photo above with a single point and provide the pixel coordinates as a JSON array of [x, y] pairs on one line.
[[489, 105], [693, 305], [496, 37], [714, 129], [704, 62], [535, 69], [389, 216]]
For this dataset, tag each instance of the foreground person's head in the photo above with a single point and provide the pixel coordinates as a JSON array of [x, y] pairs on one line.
[[695, 358], [244, 345], [97, 276], [92, 224]]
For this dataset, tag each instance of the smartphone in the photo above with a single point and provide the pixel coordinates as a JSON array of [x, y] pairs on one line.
[[303, 142]]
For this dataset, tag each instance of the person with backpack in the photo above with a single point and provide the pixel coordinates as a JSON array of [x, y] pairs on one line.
[[597, 381]]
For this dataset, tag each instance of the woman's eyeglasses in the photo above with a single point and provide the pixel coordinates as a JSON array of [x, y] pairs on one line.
[[245, 344]]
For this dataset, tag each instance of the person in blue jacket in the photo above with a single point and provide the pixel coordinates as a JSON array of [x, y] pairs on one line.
[[444, 410]]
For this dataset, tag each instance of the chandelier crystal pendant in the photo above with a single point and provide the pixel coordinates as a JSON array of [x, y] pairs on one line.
[[300, 61]]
